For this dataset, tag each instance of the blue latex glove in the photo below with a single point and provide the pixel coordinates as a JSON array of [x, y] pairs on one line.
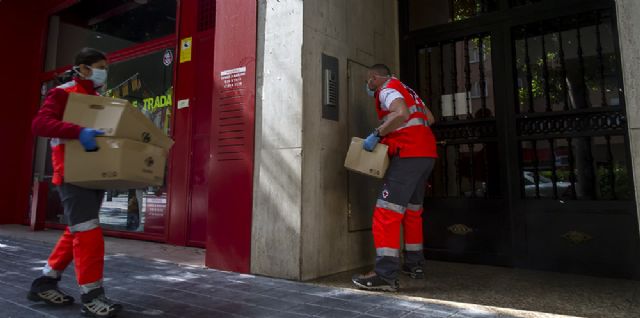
[[88, 138], [370, 143]]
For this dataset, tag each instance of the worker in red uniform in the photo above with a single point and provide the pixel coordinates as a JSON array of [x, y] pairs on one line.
[[412, 150], [82, 240]]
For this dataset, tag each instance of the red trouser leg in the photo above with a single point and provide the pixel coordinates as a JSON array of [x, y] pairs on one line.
[[386, 231], [88, 252], [412, 224], [61, 256]]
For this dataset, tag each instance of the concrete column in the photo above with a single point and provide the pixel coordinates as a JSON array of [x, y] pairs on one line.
[[356, 32], [301, 205], [277, 206], [628, 28]]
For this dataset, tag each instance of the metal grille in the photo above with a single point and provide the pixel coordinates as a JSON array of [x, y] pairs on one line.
[[231, 136], [515, 3], [570, 121], [206, 14], [456, 78], [465, 9]]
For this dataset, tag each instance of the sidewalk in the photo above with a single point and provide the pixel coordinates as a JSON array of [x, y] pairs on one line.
[[153, 287]]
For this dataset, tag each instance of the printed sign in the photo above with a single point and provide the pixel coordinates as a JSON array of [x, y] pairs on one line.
[[233, 78], [154, 103], [185, 49], [183, 103], [154, 213], [167, 58]]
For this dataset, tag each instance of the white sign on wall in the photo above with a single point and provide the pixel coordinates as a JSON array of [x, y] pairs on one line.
[[233, 78]]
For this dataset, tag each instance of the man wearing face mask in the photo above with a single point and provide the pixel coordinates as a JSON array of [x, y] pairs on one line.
[[412, 149], [82, 240]]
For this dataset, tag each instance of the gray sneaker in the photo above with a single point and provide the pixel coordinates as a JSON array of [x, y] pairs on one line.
[[415, 272], [371, 281], [96, 304], [46, 289]]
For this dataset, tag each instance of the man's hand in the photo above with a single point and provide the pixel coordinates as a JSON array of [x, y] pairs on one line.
[[371, 141], [88, 138]]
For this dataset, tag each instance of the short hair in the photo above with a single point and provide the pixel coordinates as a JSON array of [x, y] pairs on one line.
[[89, 56], [381, 69]]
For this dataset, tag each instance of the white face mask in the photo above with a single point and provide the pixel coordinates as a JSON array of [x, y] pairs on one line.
[[98, 77], [370, 92]]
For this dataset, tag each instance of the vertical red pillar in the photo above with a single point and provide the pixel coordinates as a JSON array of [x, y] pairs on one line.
[[23, 26], [232, 137], [181, 130]]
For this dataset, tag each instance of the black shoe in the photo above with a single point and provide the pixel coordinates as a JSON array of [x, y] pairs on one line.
[[415, 271], [46, 289], [96, 304], [371, 281]]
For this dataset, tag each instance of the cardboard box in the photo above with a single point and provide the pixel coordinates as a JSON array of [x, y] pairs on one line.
[[116, 117], [118, 164], [374, 163]]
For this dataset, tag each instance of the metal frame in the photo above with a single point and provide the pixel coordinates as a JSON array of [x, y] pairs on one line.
[[499, 25]]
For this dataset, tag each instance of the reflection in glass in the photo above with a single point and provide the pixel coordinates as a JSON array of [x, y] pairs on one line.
[[585, 168], [147, 82], [561, 68], [107, 26], [456, 79]]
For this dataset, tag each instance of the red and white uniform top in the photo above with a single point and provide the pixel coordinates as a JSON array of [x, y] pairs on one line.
[[414, 138]]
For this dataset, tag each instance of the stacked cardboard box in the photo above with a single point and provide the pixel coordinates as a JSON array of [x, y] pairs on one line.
[[131, 154]]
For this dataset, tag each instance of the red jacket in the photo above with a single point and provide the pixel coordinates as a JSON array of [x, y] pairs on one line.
[[414, 138], [48, 122]]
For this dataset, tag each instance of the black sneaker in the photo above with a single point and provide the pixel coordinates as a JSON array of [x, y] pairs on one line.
[[46, 289], [96, 304], [415, 272], [371, 281]]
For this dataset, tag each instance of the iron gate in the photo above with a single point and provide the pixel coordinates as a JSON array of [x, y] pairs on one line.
[[534, 165]]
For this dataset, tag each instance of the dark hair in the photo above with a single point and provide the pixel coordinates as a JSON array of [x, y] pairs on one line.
[[86, 56], [381, 69], [89, 56]]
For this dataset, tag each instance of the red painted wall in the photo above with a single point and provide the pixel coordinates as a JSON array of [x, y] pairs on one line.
[[22, 30], [232, 136], [229, 169]]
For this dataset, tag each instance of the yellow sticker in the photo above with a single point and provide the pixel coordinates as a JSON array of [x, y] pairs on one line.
[[185, 50]]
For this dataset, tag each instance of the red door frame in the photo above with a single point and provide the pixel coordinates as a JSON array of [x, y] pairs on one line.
[[119, 56], [139, 50]]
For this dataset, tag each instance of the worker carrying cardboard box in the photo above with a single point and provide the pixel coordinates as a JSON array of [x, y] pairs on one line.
[[82, 240], [412, 149]]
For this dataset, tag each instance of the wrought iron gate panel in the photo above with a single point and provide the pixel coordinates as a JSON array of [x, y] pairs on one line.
[[570, 123], [534, 166]]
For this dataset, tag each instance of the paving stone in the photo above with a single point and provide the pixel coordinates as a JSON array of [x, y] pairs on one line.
[[387, 312], [338, 313], [149, 288], [308, 309]]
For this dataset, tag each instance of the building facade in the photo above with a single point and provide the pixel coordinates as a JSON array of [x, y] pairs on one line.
[[535, 100]]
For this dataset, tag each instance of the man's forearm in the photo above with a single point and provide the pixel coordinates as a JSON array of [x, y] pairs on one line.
[[393, 122]]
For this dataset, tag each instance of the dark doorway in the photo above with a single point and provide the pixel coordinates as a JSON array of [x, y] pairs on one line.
[[534, 167]]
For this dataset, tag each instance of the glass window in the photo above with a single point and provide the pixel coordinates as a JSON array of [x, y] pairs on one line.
[[147, 82], [456, 79], [107, 26], [567, 66], [424, 14]]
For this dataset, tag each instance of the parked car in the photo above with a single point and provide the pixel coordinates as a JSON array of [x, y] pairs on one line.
[[545, 186]]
